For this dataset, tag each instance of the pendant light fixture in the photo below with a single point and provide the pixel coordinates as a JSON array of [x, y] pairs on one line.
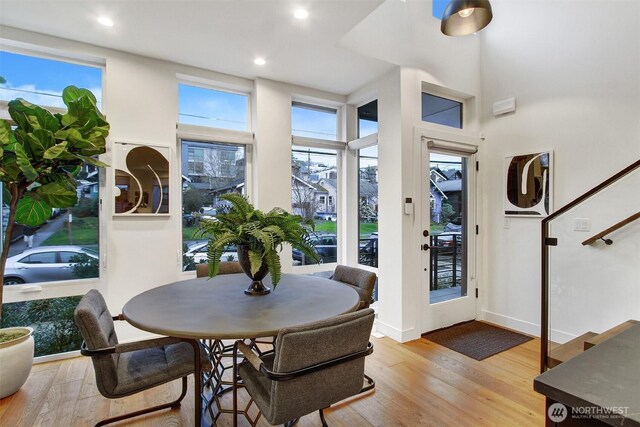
[[462, 17]]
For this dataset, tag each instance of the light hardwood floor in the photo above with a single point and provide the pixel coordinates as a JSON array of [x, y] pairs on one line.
[[418, 384]]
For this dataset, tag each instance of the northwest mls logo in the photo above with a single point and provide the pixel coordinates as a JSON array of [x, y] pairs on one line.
[[557, 412]]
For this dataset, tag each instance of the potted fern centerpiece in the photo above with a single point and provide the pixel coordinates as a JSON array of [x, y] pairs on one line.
[[258, 236]]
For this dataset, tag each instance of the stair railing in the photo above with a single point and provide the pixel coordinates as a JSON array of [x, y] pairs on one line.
[[547, 241]]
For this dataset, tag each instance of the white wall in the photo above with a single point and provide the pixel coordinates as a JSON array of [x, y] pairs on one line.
[[574, 68]]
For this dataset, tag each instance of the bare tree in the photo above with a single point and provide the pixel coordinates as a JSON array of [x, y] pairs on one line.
[[303, 197]]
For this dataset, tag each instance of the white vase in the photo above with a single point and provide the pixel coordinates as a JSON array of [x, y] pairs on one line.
[[16, 358]]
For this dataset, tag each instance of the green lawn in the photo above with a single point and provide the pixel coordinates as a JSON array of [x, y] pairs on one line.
[[84, 231], [330, 227], [187, 232]]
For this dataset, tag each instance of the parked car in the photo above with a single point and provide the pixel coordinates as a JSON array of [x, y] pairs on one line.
[[447, 242], [326, 246], [208, 212], [325, 216], [198, 253], [45, 264], [188, 219]]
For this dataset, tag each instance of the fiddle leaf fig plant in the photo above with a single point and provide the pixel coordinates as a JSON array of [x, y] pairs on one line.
[[41, 156], [263, 234]]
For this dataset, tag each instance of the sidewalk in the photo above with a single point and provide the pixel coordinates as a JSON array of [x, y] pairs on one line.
[[45, 231]]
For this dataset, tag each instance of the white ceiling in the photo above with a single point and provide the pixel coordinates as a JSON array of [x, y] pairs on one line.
[[219, 35]]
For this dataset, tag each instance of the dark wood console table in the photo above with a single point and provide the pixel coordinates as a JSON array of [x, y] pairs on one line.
[[598, 387]]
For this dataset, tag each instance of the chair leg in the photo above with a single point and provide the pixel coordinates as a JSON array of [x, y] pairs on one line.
[[371, 384], [324, 422], [173, 405], [292, 422]]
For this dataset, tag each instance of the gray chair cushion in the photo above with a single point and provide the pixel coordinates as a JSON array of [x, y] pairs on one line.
[[361, 280], [305, 346], [142, 369]]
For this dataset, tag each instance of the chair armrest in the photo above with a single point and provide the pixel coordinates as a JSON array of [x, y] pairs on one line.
[[150, 343], [285, 376], [250, 355], [126, 347]]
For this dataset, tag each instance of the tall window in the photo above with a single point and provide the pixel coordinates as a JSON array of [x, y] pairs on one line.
[[368, 187], [209, 170], [212, 108], [314, 190], [314, 121], [66, 248], [442, 111]]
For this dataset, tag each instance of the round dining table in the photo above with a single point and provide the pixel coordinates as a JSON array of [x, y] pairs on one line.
[[218, 308]]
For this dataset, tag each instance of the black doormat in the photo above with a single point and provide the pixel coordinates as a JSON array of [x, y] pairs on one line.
[[475, 339]]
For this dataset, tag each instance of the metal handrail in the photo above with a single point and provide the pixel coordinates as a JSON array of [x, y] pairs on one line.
[[546, 241], [611, 229]]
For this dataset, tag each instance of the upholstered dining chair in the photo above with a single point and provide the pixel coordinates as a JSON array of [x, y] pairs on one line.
[[125, 369], [312, 367], [225, 267], [361, 280]]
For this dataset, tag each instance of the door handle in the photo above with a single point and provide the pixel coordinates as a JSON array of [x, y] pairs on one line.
[[425, 247]]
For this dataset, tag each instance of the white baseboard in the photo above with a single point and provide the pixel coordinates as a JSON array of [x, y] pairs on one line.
[[525, 327], [511, 323], [397, 334], [54, 357]]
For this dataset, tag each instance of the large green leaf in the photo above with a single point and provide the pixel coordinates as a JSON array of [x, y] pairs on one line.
[[24, 163], [72, 93], [39, 141], [55, 151], [43, 119], [76, 140], [32, 212], [92, 161], [10, 167], [80, 111], [5, 132], [19, 110], [58, 195]]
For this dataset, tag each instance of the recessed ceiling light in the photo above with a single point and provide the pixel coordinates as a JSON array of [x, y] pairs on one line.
[[301, 13], [105, 21], [259, 61]]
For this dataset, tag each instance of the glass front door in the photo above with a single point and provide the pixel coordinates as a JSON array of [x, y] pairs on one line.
[[447, 237]]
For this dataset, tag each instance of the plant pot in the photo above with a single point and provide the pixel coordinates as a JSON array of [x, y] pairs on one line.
[[16, 358], [256, 287]]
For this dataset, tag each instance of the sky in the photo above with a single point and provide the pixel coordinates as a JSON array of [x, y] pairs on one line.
[[41, 81]]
